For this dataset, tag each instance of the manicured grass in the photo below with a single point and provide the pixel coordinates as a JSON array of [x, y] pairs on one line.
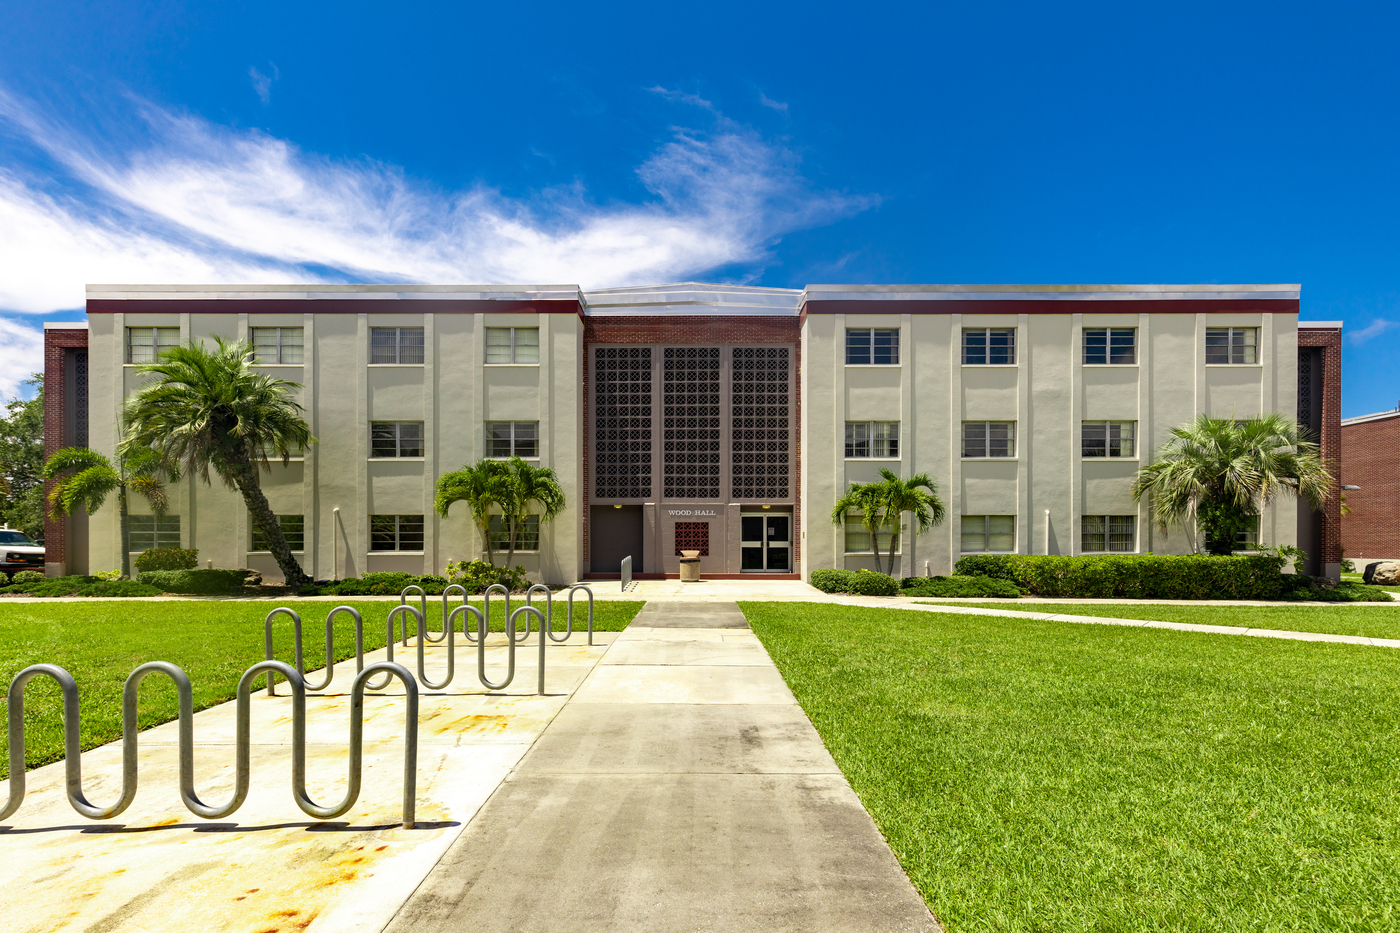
[[1328, 618], [1042, 776], [100, 643]]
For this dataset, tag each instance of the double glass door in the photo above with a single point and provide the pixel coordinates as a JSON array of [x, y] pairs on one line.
[[765, 543]]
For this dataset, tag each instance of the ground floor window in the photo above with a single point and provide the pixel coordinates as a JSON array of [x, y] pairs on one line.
[[1246, 540], [858, 538], [396, 532], [1107, 533], [981, 533], [293, 529], [149, 532], [527, 537]]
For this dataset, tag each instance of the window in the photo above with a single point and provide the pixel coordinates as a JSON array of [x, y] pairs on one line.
[[295, 451], [1107, 533], [1225, 345], [396, 439], [867, 346], [293, 529], [1110, 345], [396, 532], [144, 344], [988, 533], [858, 539], [989, 439], [395, 345], [1246, 540], [512, 345], [277, 345], [989, 346], [872, 438], [512, 439], [1108, 438], [527, 536], [147, 532]]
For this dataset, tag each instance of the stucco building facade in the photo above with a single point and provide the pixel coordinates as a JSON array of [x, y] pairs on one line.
[[727, 419]]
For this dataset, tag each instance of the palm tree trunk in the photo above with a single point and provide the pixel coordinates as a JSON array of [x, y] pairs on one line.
[[514, 527], [875, 546], [125, 523], [245, 476], [485, 526]]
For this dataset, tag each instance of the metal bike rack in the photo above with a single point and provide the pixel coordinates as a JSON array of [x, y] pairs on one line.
[[572, 590], [486, 609], [330, 645], [423, 607], [626, 572], [72, 742]]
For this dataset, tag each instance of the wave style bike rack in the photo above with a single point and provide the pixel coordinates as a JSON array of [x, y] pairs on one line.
[[72, 742], [483, 628], [330, 645], [569, 620]]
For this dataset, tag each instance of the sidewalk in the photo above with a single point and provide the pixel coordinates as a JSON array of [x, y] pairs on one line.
[[680, 789]]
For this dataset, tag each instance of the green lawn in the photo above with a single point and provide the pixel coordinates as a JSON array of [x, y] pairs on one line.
[[100, 643], [1042, 776], [1366, 619]]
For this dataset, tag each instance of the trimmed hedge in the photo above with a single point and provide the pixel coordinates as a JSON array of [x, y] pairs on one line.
[[831, 581], [28, 576], [80, 585], [166, 558], [1345, 592], [194, 582], [870, 583], [1143, 576], [959, 586], [384, 583]]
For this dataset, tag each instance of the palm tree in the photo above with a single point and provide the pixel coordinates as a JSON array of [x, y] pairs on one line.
[[917, 495], [85, 479], [207, 408], [866, 499], [528, 486], [482, 487], [1222, 473]]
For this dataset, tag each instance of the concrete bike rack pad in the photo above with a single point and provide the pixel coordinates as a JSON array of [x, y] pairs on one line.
[[268, 866]]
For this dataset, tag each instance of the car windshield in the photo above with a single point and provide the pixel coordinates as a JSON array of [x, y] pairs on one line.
[[17, 537]]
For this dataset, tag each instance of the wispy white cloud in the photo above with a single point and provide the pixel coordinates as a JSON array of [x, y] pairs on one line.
[[681, 97], [21, 355], [774, 104], [198, 202], [1374, 329], [262, 84]]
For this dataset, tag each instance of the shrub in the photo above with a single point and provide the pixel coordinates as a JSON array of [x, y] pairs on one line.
[[117, 588], [870, 583], [1346, 592], [477, 575], [29, 576], [958, 586], [194, 582], [167, 558], [383, 583], [80, 585], [1145, 576], [108, 575], [831, 581]]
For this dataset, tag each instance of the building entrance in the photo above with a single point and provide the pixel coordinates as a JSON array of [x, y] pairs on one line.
[[765, 542]]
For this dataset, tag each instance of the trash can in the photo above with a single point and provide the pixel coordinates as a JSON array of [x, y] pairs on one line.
[[690, 570]]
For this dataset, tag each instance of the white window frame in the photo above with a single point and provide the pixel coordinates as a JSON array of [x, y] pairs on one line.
[[514, 440], [398, 441], [398, 346], [871, 332], [871, 429], [1109, 333], [398, 535], [156, 332], [1107, 532], [986, 522], [514, 347], [1108, 427], [279, 346], [1230, 347], [254, 531], [987, 440], [986, 349]]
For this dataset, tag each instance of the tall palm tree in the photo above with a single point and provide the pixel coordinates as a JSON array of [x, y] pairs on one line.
[[917, 495], [529, 487], [1222, 472], [206, 407], [866, 499], [482, 487], [86, 478]]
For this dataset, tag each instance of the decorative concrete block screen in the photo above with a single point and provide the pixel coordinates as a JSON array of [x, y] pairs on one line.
[[693, 536], [761, 423], [622, 409], [690, 453]]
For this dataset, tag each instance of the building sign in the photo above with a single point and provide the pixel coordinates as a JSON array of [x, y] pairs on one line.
[[695, 512]]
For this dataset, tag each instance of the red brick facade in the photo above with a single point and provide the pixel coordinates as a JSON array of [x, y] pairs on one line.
[[1371, 460], [1330, 340], [56, 423], [696, 330]]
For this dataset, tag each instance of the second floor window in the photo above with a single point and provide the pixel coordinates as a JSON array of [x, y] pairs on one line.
[[872, 438], [147, 531], [512, 344], [995, 533], [396, 532], [989, 346], [1225, 345], [1109, 438], [1107, 533], [872, 346], [396, 439], [144, 344], [1110, 345], [512, 439], [277, 345], [395, 345], [989, 439], [293, 529]]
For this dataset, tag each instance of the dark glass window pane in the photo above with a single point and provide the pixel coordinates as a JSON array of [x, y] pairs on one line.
[[975, 439], [858, 347], [498, 439], [751, 558], [1217, 345], [1095, 439], [1095, 346], [1001, 347], [410, 533], [886, 347], [1001, 439], [526, 443], [382, 535], [751, 527], [1122, 346], [410, 439], [383, 439], [383, 345], [974, 347]]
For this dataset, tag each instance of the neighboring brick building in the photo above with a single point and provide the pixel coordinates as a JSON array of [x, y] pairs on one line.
[[1371, 460], [65, 425]]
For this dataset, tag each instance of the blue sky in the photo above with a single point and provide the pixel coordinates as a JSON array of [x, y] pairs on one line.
[[770, 144]]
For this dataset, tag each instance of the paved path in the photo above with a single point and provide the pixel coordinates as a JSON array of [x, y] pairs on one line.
[[680, 788]]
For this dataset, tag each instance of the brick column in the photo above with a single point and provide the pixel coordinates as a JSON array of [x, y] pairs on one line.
[[57, 430], [1330, 340]]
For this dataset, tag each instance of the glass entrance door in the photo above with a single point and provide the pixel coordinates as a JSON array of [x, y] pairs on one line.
[[765, 543]]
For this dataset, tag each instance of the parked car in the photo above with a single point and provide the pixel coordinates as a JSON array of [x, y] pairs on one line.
[[20, 552]]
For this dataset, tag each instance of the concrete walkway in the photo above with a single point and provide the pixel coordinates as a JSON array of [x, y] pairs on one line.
[[681, 788]]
